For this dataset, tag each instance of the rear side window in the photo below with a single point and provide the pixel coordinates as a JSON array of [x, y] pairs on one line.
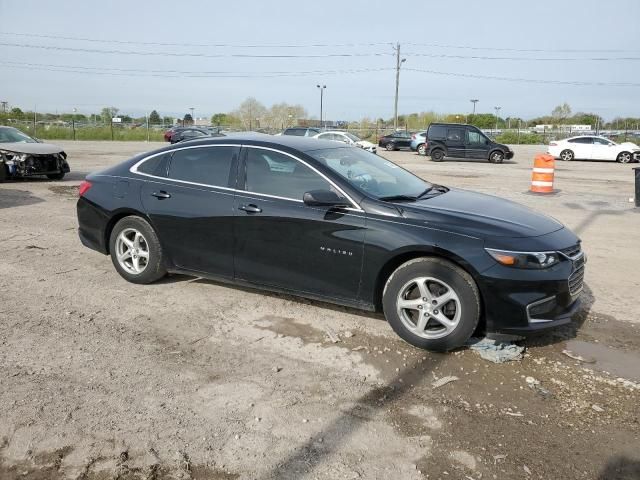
[[438, 132], [156, 166], [204, 165]]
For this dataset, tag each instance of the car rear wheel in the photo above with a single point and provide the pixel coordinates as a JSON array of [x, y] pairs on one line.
[[496, 157], [136, 252], [56, 176], [422, 149], [624, 157], [390, 146], [566, 155], [437, 155], [432, 304]]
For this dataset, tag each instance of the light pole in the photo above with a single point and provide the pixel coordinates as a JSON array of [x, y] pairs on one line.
[[193, 119], [321, 95], [474, 101], [73, 122], [497, 109]]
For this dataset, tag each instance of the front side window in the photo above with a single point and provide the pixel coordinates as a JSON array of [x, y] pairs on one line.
[[369, 172], [279, 175], [203, 165], [475, 138], [602, 141], [12, 135]]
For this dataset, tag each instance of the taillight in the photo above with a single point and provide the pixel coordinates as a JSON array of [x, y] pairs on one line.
[[553, 144], [83, 188], [413, 136]]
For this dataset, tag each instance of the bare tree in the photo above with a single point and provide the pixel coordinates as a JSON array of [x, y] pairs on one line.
[[250, 112], [561, 112]]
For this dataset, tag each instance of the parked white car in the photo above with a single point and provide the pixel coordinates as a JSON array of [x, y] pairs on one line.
[[347, 138], [594, 148]]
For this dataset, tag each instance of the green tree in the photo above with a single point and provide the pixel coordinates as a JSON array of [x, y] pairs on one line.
[[219, 119], [187, 119], [154, 117], [108, 113], [16, 113]]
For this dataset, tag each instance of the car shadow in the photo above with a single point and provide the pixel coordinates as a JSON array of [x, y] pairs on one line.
[[17, 198], [69, 177], [620, 467]]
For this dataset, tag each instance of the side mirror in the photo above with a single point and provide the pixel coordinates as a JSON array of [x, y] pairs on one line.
[[324, 198]]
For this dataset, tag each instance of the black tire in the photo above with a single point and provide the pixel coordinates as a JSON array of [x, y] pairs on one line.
[[56, 176], [422, 149], [4, 174], [155, 266], [460, 281], [497, 156], [437, 155], [390, 146], [567, 155], [624, 157]]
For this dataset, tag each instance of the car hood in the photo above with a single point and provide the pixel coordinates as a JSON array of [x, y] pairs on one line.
[[31, 148], [630, 145], [480, 215], [365, 144]]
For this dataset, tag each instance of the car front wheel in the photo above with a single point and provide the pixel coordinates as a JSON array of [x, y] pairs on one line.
[[432, 304], [624, 157], [566, 155], [390, 146], [496, 157], [135, 251]]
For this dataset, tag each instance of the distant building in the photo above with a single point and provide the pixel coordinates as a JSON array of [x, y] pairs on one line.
[[563, 128]]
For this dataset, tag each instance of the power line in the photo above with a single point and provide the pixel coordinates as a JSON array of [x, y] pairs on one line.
[[526, 80], [179, 74], [531, 50], [534, 59], [211, 45], [190, 54]]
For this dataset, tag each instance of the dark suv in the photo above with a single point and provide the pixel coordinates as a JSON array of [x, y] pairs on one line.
[[463, 141]]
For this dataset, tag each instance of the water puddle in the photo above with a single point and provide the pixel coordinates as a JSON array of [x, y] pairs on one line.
[[606, 359]]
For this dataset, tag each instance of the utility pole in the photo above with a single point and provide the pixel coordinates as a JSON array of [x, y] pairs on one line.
[[398, 64], [474, 101], [193, 119], [497, 113], [321, 95], [4, 106]]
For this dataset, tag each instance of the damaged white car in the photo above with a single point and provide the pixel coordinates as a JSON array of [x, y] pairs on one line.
[[23, 156]]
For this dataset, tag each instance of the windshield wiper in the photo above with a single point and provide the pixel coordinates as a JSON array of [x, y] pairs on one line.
[[398, 198], [438, 188]]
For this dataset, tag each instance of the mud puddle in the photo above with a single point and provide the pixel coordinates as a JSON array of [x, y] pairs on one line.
[[606, 359]]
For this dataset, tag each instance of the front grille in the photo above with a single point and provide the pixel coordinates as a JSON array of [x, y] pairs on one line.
[[576, 281], [572, 251]]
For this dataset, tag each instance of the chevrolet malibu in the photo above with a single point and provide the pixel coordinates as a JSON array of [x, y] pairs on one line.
[[335, 223]]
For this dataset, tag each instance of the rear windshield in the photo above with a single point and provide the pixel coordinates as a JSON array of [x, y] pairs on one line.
[[438, 131]]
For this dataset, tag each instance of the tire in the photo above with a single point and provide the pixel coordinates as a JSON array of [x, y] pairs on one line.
[[567, 155], [431, 278], [422, 149], [150, 269], [56, 176], [4, 174], [390, 146], [497, 156], [437, 155], [624, 157]]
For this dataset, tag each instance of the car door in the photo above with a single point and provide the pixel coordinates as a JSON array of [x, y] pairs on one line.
[[191, 207], [402, 139], [455, 142], [582, 147], [281, 242], [476, 145], [603, 149]]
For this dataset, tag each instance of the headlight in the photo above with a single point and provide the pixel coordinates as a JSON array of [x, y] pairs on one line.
[[13, 156], [524, 259]]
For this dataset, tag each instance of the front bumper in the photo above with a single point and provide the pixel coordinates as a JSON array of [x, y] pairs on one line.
[[508, 155]]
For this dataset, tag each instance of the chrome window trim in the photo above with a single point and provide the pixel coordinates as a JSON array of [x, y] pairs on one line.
[[134, 169]]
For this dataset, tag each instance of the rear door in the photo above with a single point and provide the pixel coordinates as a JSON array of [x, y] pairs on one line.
[[191, 208], [402, 139], [456, 142], [476, 145]]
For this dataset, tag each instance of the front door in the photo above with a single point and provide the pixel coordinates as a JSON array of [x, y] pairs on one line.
[[603, 149], [191, 208], [455, 142], [284, 243], [477, 145]]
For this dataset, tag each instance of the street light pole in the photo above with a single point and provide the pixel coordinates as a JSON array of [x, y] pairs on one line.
[[321, 95], [497, 113], [193, 119], [73, 122], [399, 62], [474, 101]]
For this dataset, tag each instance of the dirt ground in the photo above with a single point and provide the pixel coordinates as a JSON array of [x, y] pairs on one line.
[[191, 379]]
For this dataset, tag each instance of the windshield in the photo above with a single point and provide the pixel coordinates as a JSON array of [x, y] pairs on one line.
[[11, 135], [373, 174], [352, 137]]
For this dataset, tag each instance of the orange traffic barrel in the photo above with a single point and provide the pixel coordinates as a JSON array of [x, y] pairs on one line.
[[542, 175]]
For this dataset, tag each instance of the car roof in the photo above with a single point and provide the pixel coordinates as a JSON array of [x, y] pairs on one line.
[[303, 144]]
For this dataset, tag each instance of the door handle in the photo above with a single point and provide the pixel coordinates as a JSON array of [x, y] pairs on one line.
[[161, 194], [250, 208]]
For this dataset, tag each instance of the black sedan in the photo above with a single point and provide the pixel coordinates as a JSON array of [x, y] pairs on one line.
[[395, 140], [23, 156], [336, 223]]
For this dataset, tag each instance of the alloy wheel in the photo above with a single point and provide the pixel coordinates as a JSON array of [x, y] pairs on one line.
[[566, 155], [429, 308], [132, 251], [624, 157]]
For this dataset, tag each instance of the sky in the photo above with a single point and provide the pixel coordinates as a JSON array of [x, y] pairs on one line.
[[171, 55]]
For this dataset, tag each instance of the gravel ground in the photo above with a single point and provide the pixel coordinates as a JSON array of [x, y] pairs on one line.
[[192, 379]]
